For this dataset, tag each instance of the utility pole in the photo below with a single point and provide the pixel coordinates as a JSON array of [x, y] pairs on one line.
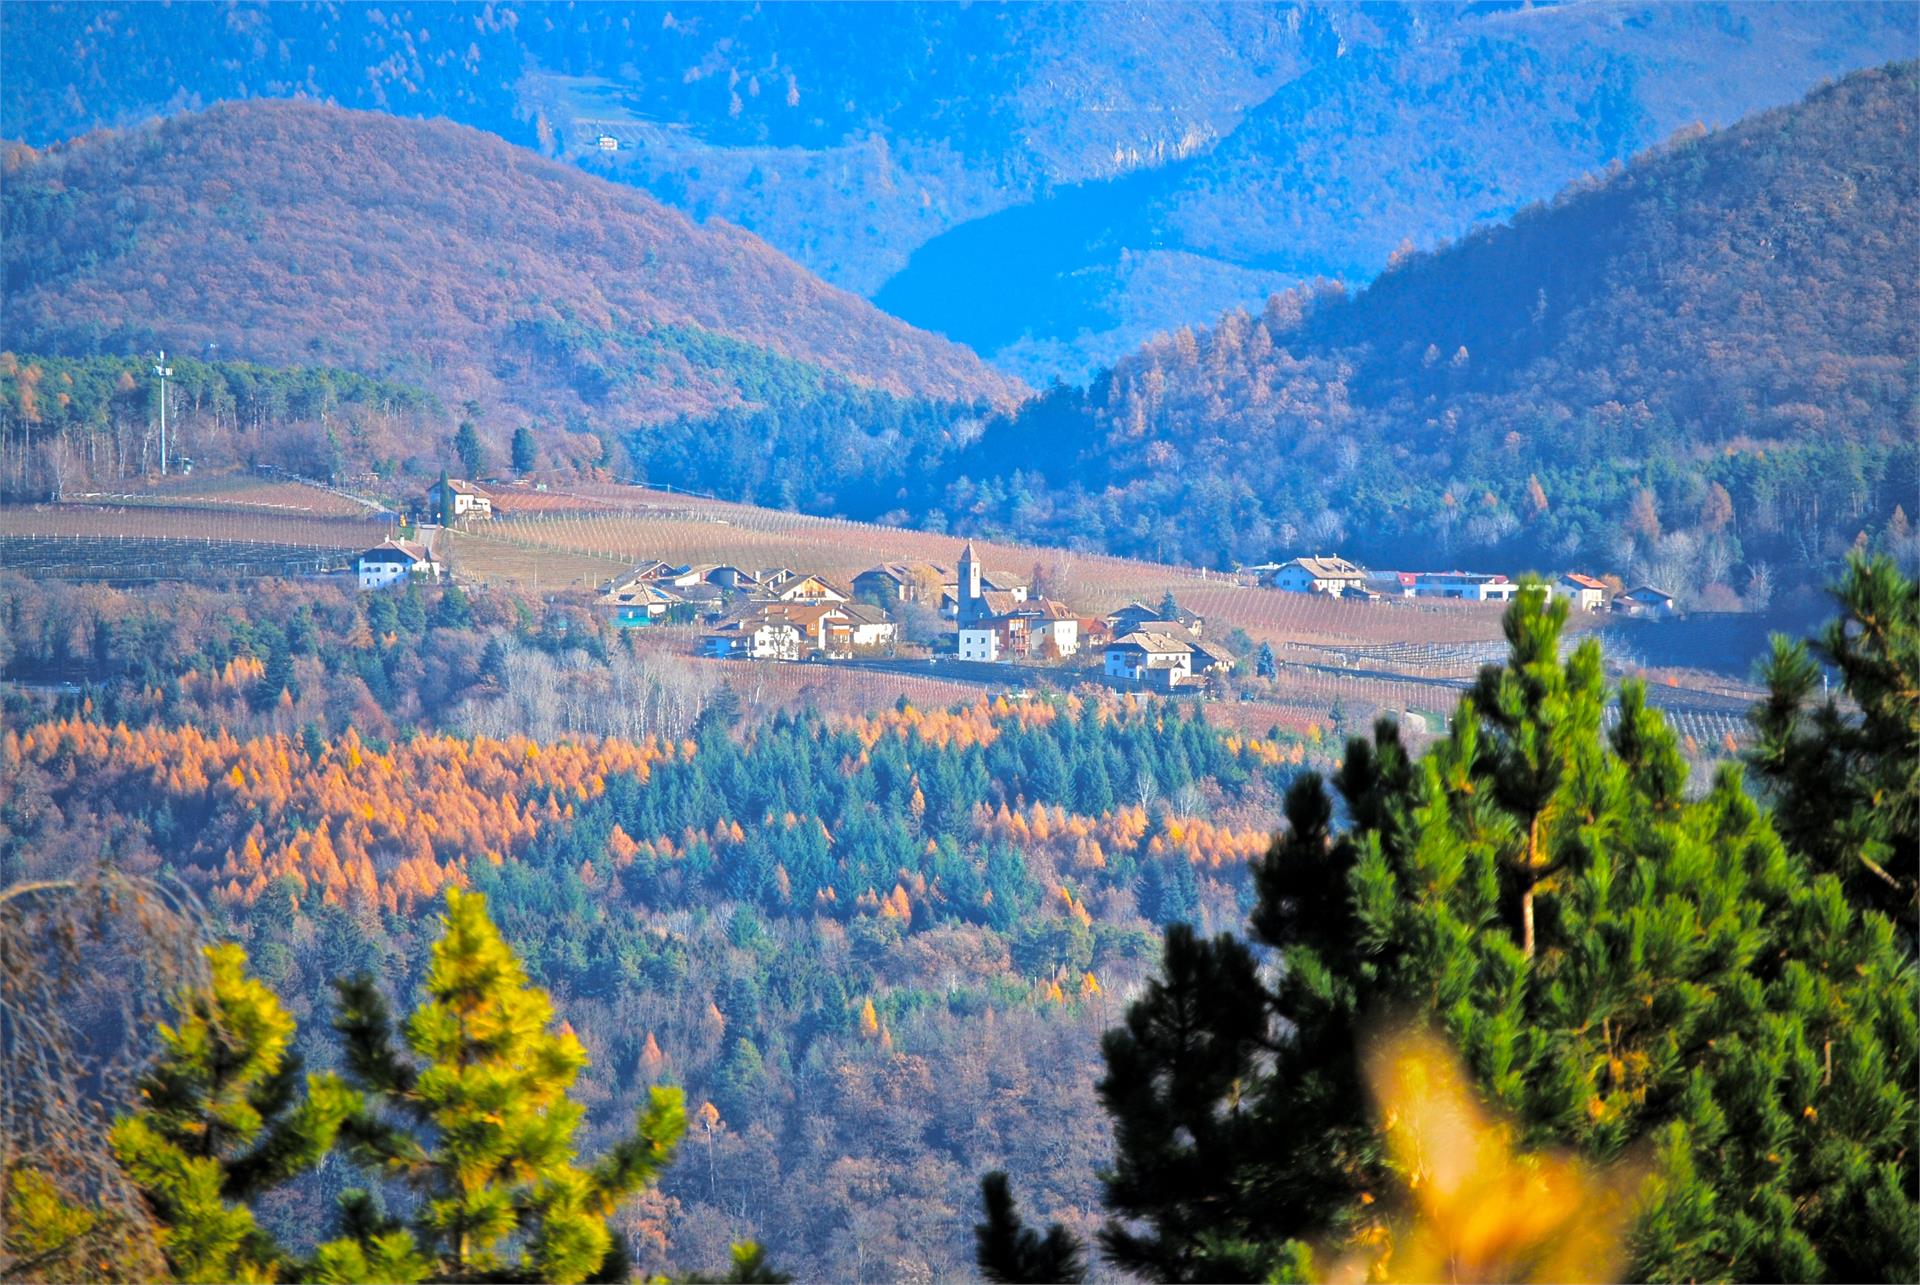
[[163, 370]]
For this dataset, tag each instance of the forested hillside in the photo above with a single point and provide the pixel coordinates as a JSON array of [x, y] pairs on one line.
[[1425, 124], [880, 947], [514, 286], [1697, 370], [1115, 171]]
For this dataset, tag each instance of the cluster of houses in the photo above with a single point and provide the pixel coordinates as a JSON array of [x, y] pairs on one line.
[[1339, 578], [783, 614], [772, 614]]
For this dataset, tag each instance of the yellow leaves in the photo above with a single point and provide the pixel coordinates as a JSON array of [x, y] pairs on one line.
[[1479, 1209], [869, 1020], [1089, 985], [621, 847], [707, 1117]]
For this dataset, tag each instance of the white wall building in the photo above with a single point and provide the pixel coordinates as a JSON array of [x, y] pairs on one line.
[[981, 643], [1133, 657], [394, 561], [1465, 586], [1586, 593], [1319, 575]]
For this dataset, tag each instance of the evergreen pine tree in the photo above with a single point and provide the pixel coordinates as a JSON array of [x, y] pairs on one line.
[[1846, 783], [1265, 666], [221, 1121], [526, 452], [480, 1127], [467, 445], [454, 610], [1011, 1253], [277, 676], [1622, 967]]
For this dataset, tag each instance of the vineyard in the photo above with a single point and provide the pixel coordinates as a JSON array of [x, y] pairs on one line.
[[117, 558], [241, 493], [144, 541], [137, 523]]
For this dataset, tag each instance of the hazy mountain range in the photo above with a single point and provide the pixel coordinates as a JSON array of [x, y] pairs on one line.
[[1050, 184]]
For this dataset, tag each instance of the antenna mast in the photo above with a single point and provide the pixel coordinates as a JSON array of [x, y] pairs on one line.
[[163, 370]]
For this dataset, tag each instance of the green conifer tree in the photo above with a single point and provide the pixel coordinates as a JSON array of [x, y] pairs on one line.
[[526, 452], [1625, 969], [1010, 1253], [221, 1121], [467, 445], [1846, 784], [479, 1125]]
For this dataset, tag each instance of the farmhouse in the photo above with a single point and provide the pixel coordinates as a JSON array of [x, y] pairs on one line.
[[1319, 575], [1583, 592], [392, 561], [1150, 659], [450, 500], [1647, 601]]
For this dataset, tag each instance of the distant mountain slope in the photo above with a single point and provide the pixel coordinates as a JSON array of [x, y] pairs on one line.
[[1703, 363], [1407, 137], [290, 232], [1075, 176], [846, 134]]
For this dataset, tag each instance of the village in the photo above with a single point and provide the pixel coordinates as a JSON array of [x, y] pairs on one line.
[[968, 615]]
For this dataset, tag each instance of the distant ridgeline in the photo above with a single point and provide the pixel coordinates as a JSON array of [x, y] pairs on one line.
[[1699, 364], [71, 423], [522, 291]]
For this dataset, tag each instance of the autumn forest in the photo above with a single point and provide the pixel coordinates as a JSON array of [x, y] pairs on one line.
[[889, 643]]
